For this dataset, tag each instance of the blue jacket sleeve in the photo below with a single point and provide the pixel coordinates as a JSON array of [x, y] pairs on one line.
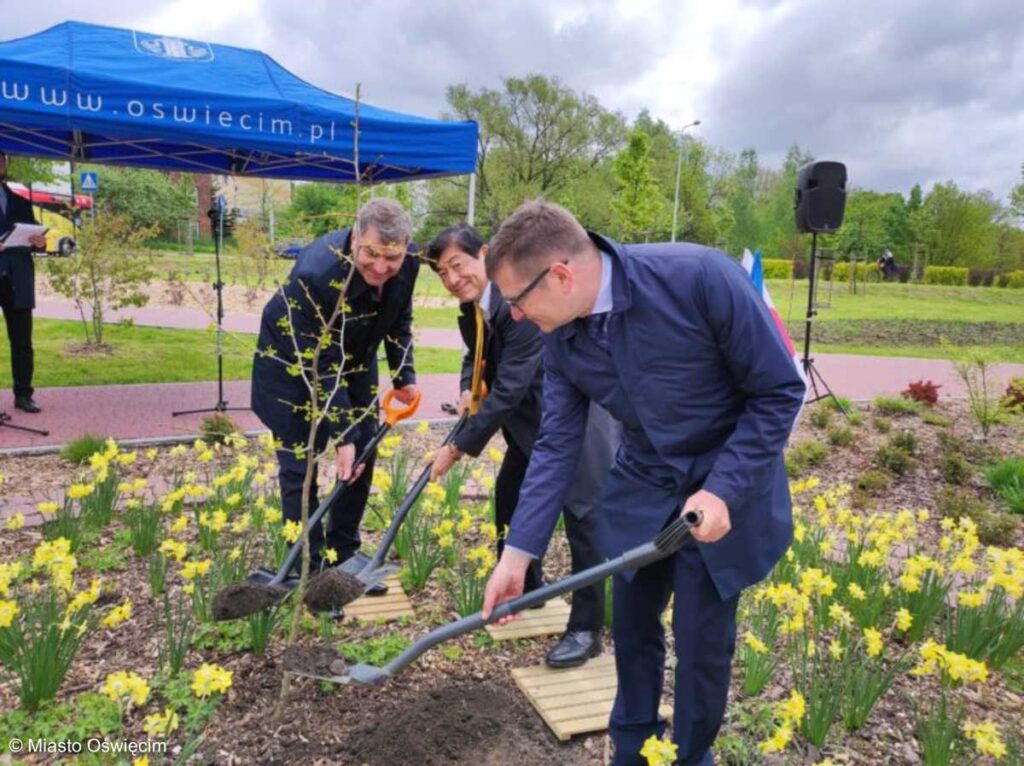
[[761, 365], [552, 464]]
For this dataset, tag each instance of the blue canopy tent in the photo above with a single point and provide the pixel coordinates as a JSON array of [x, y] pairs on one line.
[[99, 94]]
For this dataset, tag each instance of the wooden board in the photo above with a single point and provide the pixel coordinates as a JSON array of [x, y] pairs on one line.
[[547, 621], [574, 701], [384, 608]]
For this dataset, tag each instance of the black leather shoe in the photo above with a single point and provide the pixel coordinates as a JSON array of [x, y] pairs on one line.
[[26, 404], [356, 564], [574, 648]]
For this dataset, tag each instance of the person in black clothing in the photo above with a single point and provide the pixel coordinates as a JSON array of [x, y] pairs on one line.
[[17, 290], [372, 262], [510, 365]]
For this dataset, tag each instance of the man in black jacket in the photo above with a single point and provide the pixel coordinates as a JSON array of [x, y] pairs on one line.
[[371, 263], [510, 365], [17, 290]]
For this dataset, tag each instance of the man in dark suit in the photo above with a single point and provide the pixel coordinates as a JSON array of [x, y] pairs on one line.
[[371, 263], [18, 290], [509, 362], [676, 343]]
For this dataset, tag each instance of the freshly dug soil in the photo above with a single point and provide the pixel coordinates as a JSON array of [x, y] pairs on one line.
[[244, 598], [332, 589], [314, 660], [455, 721]]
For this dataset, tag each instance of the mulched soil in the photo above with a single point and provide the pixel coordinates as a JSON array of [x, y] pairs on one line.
[[459, 705]]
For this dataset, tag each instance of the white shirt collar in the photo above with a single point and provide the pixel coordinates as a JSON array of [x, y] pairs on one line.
[[485, 300], [603, 304]]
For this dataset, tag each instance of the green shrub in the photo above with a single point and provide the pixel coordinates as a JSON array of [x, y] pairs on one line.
[[882, 425], [82, 448], [805, 455], [945, 275], [1014, 279], [1007, 479], [955, 470], [777, 268], [993, 528], [893, 459], [873, 480], [216, 428], [935, 419], [958, 503], [820, 417], [854, 418], [904, 440], [840, 436], [1013, 397], [895, 405], [835, 402]]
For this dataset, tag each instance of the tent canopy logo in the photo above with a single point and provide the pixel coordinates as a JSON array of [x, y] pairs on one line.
[[172, 47]]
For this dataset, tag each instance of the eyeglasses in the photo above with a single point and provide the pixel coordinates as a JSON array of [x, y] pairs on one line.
[[516, 300], [394, 254]]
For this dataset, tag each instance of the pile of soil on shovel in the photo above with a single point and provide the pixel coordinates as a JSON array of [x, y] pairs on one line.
[[244, 598], [333, 588], [457, 721]]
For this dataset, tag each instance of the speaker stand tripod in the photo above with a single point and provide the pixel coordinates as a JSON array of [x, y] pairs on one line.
[[221, 405], [814, 376], [5, 422]]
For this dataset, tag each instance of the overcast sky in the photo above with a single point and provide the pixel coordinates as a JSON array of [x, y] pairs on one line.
[[903, 91]]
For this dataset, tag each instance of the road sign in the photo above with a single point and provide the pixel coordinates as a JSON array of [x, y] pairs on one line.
[[89, 181]]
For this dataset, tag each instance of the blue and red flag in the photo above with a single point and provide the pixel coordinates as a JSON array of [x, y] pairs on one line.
[[752, 263]]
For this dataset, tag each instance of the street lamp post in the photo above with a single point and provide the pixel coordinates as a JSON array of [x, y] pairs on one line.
[[679, 171]]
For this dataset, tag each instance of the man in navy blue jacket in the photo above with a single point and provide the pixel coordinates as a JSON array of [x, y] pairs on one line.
[[674, 341], [370, 262]]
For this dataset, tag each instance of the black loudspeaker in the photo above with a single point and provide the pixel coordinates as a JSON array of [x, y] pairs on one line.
[[820, 199]]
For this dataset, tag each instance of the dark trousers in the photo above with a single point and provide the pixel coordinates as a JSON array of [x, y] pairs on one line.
[[704, 628], [19, 333], [587, 612], [339, 528]]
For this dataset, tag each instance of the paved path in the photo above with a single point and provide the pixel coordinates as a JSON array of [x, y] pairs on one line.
[[144, 411], [196, 319]]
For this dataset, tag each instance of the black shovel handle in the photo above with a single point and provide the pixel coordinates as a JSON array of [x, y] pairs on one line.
[[668, 542], [410, 500]]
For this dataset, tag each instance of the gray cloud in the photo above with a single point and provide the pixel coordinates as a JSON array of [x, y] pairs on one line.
[[903, 92]]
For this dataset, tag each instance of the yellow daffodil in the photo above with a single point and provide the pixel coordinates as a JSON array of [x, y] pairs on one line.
[[873, 642], [291, 531], [755, 643], [118, 614], [330, 556], [986, 738], [126, 684], [15, 522], [904, 620], [8, 611], [659, 752], [161, 724], [210, 679]]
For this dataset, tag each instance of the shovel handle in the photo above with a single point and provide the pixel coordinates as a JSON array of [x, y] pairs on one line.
[[395, 414], [410, 499], [668, 542]]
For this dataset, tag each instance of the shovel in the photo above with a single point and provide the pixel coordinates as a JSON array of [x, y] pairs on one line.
[[668, 542], [334, 588], [264, 588]]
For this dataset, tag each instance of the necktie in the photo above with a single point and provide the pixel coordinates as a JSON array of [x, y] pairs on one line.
[[477, 386]]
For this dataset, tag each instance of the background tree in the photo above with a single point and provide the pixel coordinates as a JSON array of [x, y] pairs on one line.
[[637, 203], [106, 272], [148, 198]]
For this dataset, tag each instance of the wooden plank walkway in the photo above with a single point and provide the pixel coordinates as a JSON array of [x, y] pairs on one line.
[[547, 621], [574, 701], [385, 608]]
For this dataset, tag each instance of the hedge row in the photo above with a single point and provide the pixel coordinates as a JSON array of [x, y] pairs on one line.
[[779, 268]]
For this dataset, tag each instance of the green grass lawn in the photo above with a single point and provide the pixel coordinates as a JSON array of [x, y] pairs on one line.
[[887, 301], [157, 355]]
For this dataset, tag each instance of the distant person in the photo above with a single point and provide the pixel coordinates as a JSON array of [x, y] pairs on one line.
[[887, 265], [18, 290]]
